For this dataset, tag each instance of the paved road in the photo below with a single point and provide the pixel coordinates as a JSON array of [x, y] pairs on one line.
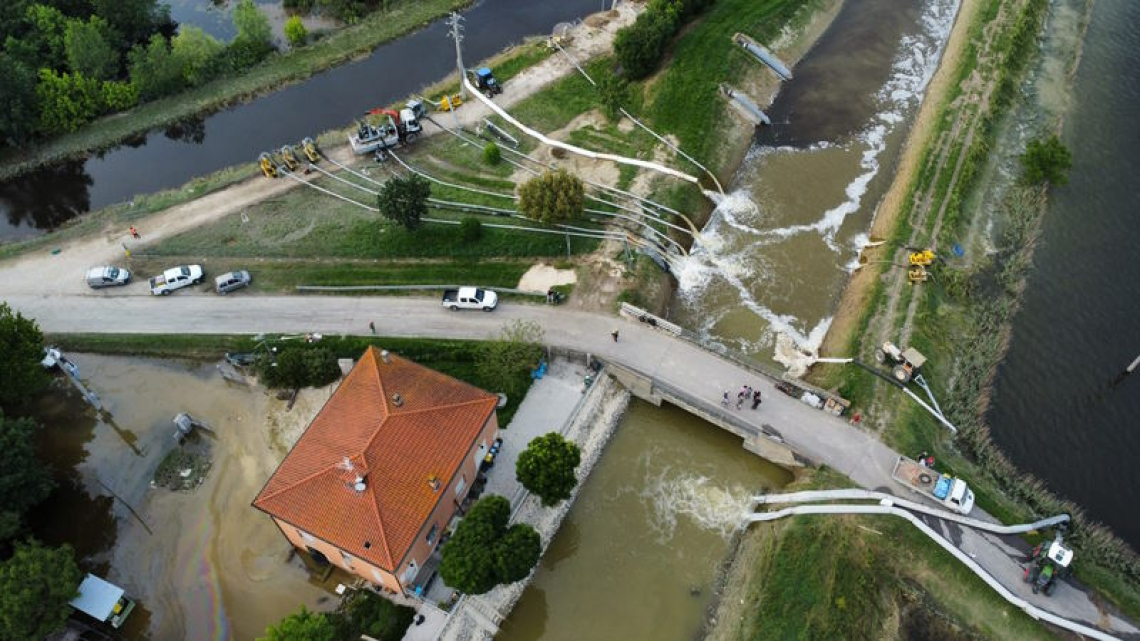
[[684, 366]]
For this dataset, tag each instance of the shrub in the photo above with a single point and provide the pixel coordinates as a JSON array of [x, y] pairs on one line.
[[470, 229], [613, 91], [1046, 161], [295, 31], [298, 367], [492, 155], [509, 359], [555, 196], [639, 46]]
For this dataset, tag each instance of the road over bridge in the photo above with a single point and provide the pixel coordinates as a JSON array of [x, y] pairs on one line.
[[666, 366]]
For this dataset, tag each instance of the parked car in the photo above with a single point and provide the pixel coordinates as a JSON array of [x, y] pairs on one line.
[[230, 281], [176, 278], [241, 359], [107, 276], [470, 298]]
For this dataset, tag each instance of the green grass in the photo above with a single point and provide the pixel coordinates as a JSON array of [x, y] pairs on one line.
[[841, 577], [457, 358], [279, 70]]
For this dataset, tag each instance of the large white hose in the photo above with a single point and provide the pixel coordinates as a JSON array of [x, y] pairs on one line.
[[1028, 608], [644, 164]]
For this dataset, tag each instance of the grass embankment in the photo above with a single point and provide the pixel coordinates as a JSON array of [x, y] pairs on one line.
[[962, 317], [857, 577], [457, 358], [279, 70]]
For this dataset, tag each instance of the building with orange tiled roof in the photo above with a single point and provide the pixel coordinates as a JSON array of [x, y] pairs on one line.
[[374, 480]]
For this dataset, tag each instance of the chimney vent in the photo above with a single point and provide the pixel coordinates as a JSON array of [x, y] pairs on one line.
[[397, 400], [359, 485], [384, 355], [433, 481]]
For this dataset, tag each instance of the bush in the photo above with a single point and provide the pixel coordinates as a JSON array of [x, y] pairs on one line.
[[492, 155], [553, 197], [639, 46], [375, 616], [155, 71], [470, 229], [298, 367], [1046, 161], [119, 95], [613, 91], [295, 31], [483, 553], [509, 360]]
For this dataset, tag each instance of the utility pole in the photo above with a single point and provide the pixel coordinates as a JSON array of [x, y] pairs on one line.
[[456, 33]]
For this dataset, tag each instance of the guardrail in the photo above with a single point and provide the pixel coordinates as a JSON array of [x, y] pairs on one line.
[[408, 288]]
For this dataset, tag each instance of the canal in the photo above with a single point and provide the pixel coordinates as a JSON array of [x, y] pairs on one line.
[[776, 254], [1055, 411], [40, 200], [637, 554]]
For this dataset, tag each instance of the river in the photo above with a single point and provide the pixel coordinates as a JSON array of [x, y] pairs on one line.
[[41, 200], [636, 556], [776, 254], [1054, 411]]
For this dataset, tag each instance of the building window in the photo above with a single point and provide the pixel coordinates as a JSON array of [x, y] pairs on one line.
[[461, 485], [305, 536], [347, 558], [432, 532]]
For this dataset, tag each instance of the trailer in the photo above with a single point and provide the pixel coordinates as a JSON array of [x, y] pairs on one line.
[[946, 490]]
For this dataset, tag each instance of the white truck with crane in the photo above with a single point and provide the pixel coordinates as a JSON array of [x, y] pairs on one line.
[[947, 490], [395, 129]]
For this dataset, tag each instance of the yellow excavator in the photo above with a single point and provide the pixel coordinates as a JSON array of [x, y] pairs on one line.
[[288, 158], [267, 166], [924, 258], [309, 148]]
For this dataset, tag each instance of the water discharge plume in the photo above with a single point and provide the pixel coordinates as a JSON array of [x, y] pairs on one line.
[[671, 493]]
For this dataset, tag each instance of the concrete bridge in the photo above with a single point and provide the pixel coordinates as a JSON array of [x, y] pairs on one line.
[[653, 361]]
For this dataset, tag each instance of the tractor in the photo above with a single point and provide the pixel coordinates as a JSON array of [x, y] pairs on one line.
[[1047, 564], [905, 364], [486, 82]]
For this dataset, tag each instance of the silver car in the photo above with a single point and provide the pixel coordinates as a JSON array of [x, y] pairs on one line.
[[230, 281], [107, 276]]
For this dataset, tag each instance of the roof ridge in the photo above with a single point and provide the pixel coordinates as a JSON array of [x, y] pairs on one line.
[[266, 497], [383, 531], [435, 408], [379, 380]]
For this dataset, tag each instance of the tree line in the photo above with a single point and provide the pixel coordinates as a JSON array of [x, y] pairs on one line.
[[64, 63]]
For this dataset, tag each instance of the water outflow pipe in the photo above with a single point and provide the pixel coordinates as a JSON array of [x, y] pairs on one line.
[[763, 55], [644, 164], [870, 495], [746, 103], [1028, 608]]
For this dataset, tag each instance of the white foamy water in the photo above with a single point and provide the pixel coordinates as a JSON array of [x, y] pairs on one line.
[[715, 256], [672, 494]]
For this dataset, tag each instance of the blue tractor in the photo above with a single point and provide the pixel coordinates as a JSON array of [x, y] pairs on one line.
[[486, 82]]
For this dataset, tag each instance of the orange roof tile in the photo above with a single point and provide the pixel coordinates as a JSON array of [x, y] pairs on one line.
[[394, 447]]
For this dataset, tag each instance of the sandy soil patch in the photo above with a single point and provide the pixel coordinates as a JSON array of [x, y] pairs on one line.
[[858, 291], [541, 277]]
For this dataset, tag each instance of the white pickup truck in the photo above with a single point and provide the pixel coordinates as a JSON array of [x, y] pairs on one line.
[[175, 278], [470, 298], [947, 490]]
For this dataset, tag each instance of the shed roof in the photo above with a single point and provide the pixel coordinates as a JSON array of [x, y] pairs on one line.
[[97, 597]]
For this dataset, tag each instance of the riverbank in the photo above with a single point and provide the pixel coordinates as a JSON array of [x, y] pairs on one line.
[[279, 71], [960, 319]]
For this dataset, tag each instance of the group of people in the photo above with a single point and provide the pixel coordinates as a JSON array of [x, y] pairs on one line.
[[926, 460], [746, 394]]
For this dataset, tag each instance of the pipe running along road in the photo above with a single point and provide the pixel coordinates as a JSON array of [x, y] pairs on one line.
[[869, 495], [1028, 608]]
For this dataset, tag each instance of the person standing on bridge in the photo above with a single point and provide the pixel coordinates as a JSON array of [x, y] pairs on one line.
[[135, 233], [755, 399], [615, 335], [724, 401], [372, 326]]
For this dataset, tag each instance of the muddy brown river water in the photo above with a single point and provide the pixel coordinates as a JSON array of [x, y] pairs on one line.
[[202, 564]]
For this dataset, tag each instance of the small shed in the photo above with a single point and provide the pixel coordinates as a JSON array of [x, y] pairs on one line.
[[97, 598]]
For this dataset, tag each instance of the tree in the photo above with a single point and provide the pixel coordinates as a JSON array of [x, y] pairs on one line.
[[67, 100], [517, 553], [18, 103], [379, 618], [135, 20], [21, 343], [154, 70], [196, 53], [510, 359], [36, 585], [468, 558], [546, 467], [553, 197], [1046, 161], [299, 367], [492, 155], [252, 25], [404, 200], [470, 229], [303, 625], [614, 93], [24, 481], [119, 95], [42, 46], [295, 31], [88, 51]]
